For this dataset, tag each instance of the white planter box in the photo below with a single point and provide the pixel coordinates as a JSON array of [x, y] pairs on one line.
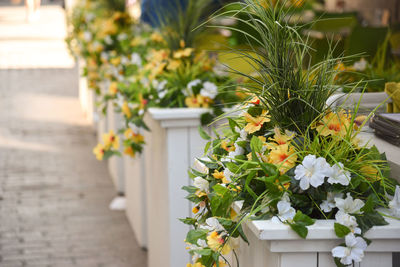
[[115, 122], [86, 96], [100, 118], [135, 193], [368, 102], [276, 245], [171, 147]]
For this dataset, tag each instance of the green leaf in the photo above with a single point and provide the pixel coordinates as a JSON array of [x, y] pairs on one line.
[[369, 204], [206, 118], [301, 218], [221, 201], [341, 230], [338, 263], [232, 124], [369, 219], [300, 229], [256, 144], [194, 235], [232, 167], [203, 134], [189, 221], [207, 147], [189, 189], [255, 111]]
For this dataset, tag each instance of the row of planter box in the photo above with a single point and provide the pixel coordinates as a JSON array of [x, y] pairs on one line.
[[152, 185]]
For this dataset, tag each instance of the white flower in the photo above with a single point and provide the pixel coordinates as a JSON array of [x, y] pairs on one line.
[[104, 56], [200, 167], [360, 65], [209, 90], [339, 175], [354, 250], [87, 36], [212, 224], [312, 171], [285, 211], [124, 60], [328, 204], [242, 132], [228, 175], [192, 84], [201, 184], [201, 243], [348, 205], [136, 59], [145, 82], [394, 204], [237, 152], [108, 40], [122, 36], [348, 220], [89, 17]]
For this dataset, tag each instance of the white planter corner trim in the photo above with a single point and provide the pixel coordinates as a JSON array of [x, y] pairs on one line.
[[171, 147], [274, 244]]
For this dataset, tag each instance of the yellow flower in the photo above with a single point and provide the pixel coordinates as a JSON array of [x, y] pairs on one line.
[[298, 3], [334, 124], [221, 264], [130, 134], [113, 89], [227, 147], [126, 110], [156, 37], [254, 124], [359, 120], [279, 138], [183, 53], [129, 151], [216, 242], [195, 209], [182, 43], [371, 173], [284, 156], [197, 264], [115, 61], [99, 151], [194, 101], [220, 176], [111, 140], [173, 64]]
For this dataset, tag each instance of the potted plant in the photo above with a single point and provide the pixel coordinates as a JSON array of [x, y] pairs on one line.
[[289, 164]]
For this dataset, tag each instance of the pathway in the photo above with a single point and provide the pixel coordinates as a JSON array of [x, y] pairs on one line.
[[54, 195]]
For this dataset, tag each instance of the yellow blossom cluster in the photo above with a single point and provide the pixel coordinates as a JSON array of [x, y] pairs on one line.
[[110, 141]]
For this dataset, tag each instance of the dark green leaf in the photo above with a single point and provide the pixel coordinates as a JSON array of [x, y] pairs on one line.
[[300, 229], [341, 230], [203, 134], [194, 235]]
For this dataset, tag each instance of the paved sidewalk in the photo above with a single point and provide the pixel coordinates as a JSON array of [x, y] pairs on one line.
[[54, 194]]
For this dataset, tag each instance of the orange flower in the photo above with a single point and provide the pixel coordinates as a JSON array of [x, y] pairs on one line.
[[220, 176], [216, 242], [99, 151], [111, 140], [254, 124], [183, 53], [279, 138], [283, 156], [129, 151], [126, 110], [334, 124], [113, 89], [198, 101], [371, 173]]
